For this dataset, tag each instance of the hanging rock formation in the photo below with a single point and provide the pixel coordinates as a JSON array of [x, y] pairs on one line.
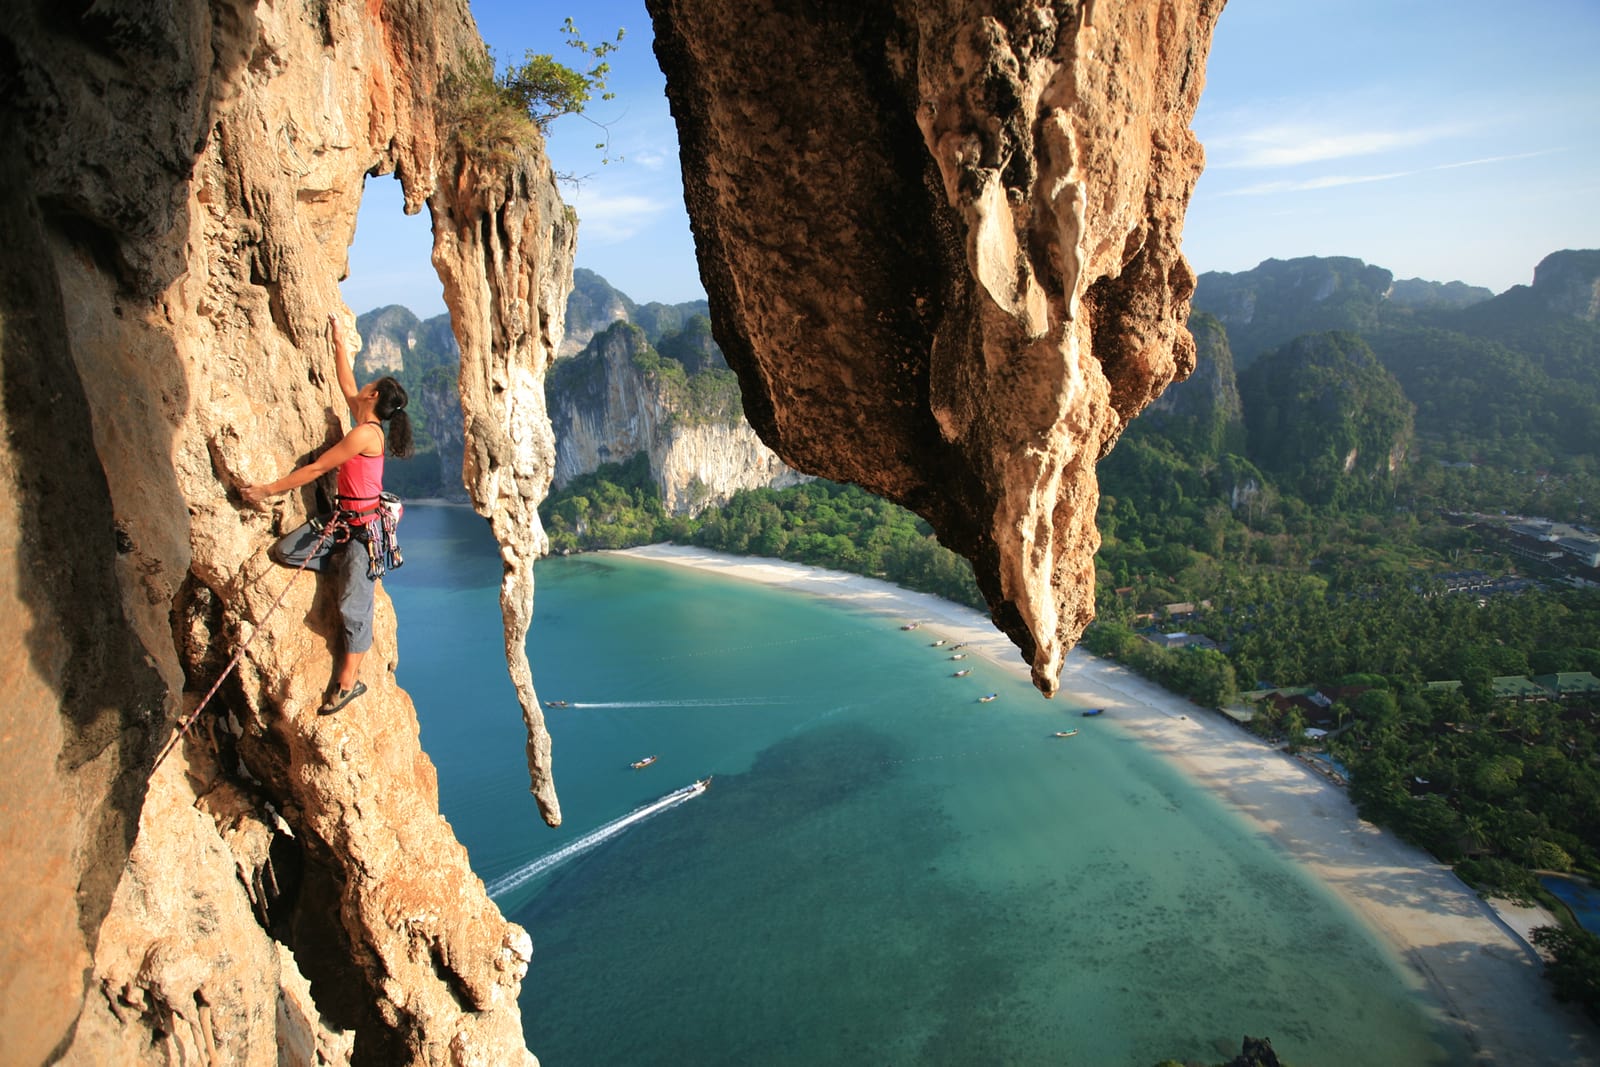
[[941, 243], [178, 191]]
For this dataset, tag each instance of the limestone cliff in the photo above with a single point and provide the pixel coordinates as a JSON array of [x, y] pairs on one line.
[[620, 397], [1211, 393], [595, 305], [941, 245], [179, 189], [394, 341], [1281, 299], [1567, 283], [440, 403]]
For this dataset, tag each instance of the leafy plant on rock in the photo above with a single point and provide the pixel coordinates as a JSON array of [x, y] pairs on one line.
[[492, 115]]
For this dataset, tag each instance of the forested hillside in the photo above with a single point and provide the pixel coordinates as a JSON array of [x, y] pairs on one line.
[[1509, 381], [1264, 308], [1326, 421], [1327, 552]]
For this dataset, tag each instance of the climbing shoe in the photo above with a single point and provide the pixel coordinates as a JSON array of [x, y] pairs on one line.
[[340, 697]]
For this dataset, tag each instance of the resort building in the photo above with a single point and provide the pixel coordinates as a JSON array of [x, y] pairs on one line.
[[1515, 687], [1181, 640], [1569, 684]]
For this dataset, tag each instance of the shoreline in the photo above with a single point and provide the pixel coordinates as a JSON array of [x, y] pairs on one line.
[[439, 502], [1471, 958]]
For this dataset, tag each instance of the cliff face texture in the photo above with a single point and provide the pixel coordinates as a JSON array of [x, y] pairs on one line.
[[606, 408], [941, 243], [1568, 283], [178, 189], [1212, 391]]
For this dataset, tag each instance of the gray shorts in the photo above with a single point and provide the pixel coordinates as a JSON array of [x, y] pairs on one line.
[[347, 562]]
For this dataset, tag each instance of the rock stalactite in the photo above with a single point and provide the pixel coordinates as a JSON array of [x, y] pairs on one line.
[[497, 234], [941, 243]]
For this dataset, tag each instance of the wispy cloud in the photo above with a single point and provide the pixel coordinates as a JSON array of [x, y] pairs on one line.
[[652, 159], [1306, 185], [609, 218], [1499, 159], [1293, 144], [1329, 181]]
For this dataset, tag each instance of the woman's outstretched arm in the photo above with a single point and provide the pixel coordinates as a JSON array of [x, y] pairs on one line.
[[348, 446], [341, 363]]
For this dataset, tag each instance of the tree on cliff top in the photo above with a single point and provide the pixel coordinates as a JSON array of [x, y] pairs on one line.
[[547, 90], [492, 113]]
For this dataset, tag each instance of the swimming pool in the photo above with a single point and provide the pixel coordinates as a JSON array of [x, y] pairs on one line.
[[1579, 895]]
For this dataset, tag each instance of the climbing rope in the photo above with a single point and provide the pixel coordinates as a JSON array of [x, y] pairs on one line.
[[188, 720]]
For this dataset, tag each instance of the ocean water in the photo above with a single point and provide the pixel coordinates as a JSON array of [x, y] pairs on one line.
[[882, 871]]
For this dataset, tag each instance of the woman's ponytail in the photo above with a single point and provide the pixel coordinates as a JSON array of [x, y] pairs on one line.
[[391, 408], [400, 434]]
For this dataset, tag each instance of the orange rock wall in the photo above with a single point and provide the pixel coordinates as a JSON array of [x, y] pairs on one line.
[[180, 190]]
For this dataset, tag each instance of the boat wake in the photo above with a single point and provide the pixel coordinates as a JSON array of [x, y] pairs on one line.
[[727, 702], [551, 860]]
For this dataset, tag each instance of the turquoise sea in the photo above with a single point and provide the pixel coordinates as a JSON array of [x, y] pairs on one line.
[[883, 871]]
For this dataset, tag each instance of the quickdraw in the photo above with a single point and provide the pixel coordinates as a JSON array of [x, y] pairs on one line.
[[380, 532]]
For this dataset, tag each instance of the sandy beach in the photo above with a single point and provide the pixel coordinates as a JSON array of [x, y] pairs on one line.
[[1472, 958]]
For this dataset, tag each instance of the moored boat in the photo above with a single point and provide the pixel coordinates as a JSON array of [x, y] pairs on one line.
[[962, 673], [959, 655], [985, 700], [640, 765], [1066, 733], [939, 642], [1093, 712], [911, 626]]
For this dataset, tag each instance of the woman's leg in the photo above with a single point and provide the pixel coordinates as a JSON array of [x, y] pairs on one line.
[[357, 594], [306, 543], [349, 667]]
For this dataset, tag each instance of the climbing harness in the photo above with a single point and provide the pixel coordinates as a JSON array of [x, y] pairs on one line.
[[380, 533], [329, 528]]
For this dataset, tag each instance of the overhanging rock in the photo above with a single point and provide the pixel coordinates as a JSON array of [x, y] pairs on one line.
[[941, 244]]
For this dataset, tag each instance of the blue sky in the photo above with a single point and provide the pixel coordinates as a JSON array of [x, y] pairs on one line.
[[1442, 139]]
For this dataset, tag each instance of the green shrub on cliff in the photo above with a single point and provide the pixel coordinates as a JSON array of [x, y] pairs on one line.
[[547, 90], [486, 122], [492, 115]]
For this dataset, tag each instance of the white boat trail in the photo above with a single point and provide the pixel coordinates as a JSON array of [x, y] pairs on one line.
[[719, 702], [550, 860]]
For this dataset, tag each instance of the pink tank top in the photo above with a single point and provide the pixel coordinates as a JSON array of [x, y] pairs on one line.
[[360, 480]]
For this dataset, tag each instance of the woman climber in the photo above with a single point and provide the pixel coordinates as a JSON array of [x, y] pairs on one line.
[[358, 457]]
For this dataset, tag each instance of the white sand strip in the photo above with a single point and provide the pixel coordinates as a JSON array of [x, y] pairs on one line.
[[1483, 974]]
